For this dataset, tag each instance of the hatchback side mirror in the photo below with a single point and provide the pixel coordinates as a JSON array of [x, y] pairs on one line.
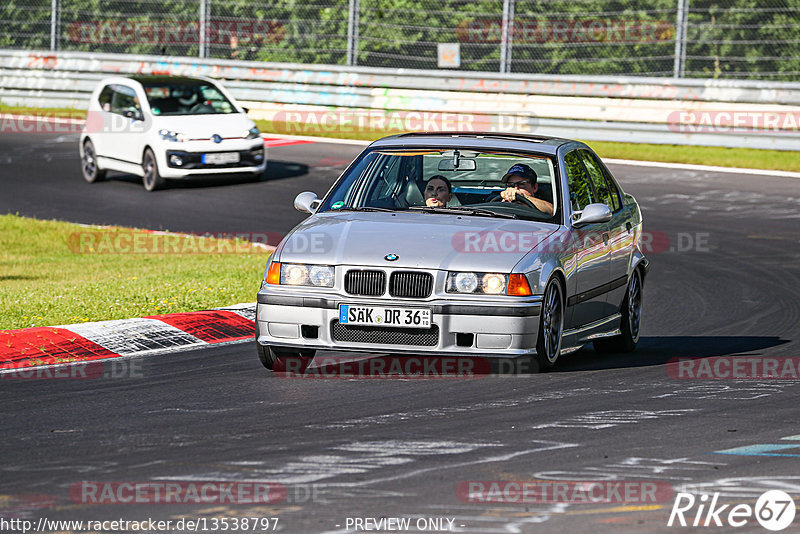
[[591, 214], [307, 201]]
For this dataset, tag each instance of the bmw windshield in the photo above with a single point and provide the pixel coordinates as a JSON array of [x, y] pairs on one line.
[[451, 181]]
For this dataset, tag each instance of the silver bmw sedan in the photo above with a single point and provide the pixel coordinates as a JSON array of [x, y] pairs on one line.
[[478, 244]]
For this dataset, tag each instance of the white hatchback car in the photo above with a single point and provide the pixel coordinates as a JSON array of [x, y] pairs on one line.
[[165, 127]]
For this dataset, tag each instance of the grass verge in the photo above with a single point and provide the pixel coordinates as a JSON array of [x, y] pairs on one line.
[[54, 273], [747, 158], [61, 113]]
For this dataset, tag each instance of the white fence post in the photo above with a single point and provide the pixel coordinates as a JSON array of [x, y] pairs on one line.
[[681, 21], [352, 32], [507, 37], [55, 23], [203, 52]]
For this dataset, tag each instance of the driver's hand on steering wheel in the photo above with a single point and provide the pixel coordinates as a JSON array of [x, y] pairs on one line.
[[435, 203], [510, 194]]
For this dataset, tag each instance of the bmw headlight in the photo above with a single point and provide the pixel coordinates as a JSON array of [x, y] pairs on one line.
[[494, 283], [321, 276], [299, 274], [465, 282], [488, 283], [175, 137], [252, 133]]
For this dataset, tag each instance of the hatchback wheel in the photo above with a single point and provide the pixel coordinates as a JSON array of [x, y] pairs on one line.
[[551, 325], [152, 180], [91, 172]]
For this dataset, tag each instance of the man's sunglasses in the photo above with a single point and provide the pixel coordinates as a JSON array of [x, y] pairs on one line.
[[518, 183]]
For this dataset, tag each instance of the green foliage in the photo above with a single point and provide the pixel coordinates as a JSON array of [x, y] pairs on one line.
[[758, 39]]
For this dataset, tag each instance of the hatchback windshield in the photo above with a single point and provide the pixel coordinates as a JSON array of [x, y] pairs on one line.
[[187, 99], [462, 181]]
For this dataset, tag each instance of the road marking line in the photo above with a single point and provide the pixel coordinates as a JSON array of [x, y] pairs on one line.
[[764, 449], [709, 168]]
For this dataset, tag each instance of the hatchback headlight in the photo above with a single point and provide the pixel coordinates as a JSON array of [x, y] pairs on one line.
[[252, 133], [299, 274], [175, 137], [487, 283]]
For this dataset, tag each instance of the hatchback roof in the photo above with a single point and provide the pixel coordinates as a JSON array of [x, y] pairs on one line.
[[154, 79]]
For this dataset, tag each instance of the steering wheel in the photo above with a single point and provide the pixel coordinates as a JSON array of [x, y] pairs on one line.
[[200, 107], [522, 199]]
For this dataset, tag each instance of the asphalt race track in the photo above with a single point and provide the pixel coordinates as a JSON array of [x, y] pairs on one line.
[[724, 281]]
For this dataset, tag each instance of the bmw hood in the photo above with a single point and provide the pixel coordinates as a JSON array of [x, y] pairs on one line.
[[204, 126], [413, 240]]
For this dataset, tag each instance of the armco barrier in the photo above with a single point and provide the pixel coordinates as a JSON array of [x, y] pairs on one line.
[[647, 110]]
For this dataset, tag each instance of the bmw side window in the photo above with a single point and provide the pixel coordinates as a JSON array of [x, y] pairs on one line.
[[613, 188], [124, 102], [598, 180], [384, 191], [344, 195], [580, 190], [104, 99]]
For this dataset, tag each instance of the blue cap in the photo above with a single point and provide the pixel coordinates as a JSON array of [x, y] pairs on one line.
[[522, 170]]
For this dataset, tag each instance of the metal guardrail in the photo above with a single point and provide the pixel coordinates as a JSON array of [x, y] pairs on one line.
[[750, 114]]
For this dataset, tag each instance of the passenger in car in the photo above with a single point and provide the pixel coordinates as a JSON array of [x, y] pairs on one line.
[[438, 192], [521, 180]]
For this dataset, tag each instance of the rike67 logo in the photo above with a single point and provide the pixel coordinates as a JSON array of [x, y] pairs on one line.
[[774, 510]]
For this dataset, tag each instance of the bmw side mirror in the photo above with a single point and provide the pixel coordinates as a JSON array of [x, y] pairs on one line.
[[307, 201], [591, 214]]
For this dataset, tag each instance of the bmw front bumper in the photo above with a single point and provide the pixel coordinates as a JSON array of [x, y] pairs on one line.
[[459, 326]]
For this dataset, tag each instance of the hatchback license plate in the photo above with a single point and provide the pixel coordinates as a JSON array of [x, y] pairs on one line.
[[384, 316], [220, 158]]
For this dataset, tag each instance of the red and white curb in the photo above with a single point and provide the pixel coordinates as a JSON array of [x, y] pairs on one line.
[[157, 334]]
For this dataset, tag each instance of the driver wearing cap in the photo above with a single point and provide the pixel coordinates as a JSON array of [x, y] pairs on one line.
[[521, 180]]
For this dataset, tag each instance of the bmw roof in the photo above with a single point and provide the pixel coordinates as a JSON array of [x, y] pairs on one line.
[[478, 140]]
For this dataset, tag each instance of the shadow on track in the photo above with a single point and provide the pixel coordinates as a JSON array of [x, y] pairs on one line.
[[276, 170], [659, 350], [651, 351]]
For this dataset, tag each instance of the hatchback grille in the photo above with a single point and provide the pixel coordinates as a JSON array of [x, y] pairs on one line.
[[410, 284], [427, 337], [367, 283]]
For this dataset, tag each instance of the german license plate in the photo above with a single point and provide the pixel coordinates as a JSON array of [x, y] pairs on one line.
[[220, 158], [384, 316]]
